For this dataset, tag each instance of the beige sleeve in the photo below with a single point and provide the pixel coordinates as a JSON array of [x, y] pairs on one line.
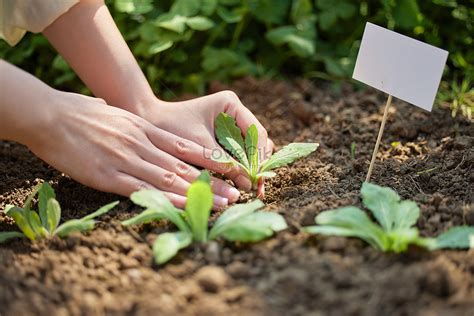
[[19, 16]]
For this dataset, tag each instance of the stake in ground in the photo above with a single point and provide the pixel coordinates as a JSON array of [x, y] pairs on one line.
[[45, 223], [246, 150], [241, 222], [397, 221]]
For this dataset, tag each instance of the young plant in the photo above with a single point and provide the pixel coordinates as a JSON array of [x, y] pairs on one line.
[[241, 222], [396, 219], [45, 223], [247, 153]]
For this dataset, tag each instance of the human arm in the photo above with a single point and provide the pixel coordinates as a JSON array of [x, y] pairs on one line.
[[87, 37], [103, 147]]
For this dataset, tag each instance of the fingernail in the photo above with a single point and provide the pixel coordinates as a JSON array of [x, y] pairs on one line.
[[220, 201], [233, 194]]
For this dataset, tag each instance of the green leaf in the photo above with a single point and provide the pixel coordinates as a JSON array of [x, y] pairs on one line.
[[199, 23], [45, 193], [19, 216], [185, 7], [144, 217], [383, 202], [4, 236], [303, 47], [198, 208], [134, 6], [230, 136], [159, 47], [455, 238], [288, 154], [266, 174], [406, 14], [232, 214], [102, 210], [229, 16], [204, 177], [254, 227], [155, 200], [35, 224], [74, 225], [167, 245], [405, 215], [280, 35], [208, 6], [251, 148], [176, 24], [53, 214], [269, 11], [353, 222]]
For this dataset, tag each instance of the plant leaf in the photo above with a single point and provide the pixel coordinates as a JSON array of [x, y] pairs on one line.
[[198, 208], [199, 23], [19, 216], [45, 193], [102, 210], [230, 136], [74, 225], [288, 154], [406, 214], [232, 214], [254, 227], [35, 224], [4, 236], [353, 222], [167, 245], [266, 174], [251, 148], [144, 217], [157, 201], [383, 202], [455, 238], [53, 214], [204, 177]]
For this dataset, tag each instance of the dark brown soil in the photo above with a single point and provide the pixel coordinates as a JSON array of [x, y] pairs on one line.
[[110, 271]]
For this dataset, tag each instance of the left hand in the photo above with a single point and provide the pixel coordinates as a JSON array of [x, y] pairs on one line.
[[194, 121]]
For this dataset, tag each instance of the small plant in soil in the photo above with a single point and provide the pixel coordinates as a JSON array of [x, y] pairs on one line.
[[44, 223], [396, 219], [246, 152], [241, 222]]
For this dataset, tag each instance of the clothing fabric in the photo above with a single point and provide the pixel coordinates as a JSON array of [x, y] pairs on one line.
[[19, 16]]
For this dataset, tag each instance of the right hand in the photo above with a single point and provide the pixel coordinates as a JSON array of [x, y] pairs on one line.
[[112, 150]]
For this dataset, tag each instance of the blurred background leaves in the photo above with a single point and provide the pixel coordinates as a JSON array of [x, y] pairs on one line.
[[184, 44]]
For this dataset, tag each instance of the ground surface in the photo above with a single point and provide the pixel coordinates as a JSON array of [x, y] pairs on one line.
[[110, 270]]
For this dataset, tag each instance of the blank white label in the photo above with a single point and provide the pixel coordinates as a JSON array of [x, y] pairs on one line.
[[399, 65]]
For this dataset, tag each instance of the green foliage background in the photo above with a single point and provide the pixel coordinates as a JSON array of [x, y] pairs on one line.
[[184, 44]]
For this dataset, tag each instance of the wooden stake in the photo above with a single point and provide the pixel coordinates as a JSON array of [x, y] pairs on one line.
[[379, 137]]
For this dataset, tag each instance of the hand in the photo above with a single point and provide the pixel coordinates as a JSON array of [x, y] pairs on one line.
[[112, 150], [194, 120]]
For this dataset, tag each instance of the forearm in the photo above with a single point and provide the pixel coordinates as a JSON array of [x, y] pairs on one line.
[[23, 99], [88, 39]]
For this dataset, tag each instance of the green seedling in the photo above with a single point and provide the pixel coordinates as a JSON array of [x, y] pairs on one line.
[[241, 222], [396, 219], [353, 150], [45, 223], [246, 152]]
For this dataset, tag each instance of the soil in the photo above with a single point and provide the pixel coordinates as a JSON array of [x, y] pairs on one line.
[[427, 157]]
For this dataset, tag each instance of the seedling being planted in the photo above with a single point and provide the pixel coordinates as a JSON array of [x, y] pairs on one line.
[[240, 222], [245, 152], [45, 223], [396, 219]]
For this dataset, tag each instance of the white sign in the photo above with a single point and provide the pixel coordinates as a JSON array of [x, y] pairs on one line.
[[400, 66]]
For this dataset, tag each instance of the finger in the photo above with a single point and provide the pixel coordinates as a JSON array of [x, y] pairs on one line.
[[222, 188], [187, 150], [189, 173], [240, 178], [267, 151]]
